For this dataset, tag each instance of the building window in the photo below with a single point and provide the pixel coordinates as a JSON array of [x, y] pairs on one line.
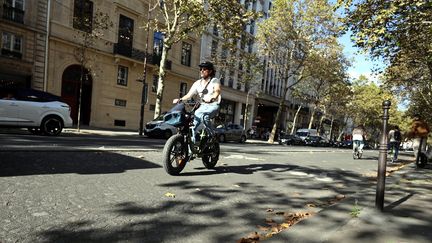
[[125, 36], [14, 10], [11, 45], [152, 107], [186, 54], [158, 43], [122, 75], [83, 15], [155, 83], [119, 102], [183, 89]]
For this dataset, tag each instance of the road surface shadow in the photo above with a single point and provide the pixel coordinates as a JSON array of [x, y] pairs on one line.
[[42, 163]]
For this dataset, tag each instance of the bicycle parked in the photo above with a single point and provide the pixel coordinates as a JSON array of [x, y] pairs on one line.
[[180, 149]]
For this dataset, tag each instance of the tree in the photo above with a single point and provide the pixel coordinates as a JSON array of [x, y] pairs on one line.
[[326, 77], [399, 32], [182, 18], [365, 107], [294, 30], [91, 30]]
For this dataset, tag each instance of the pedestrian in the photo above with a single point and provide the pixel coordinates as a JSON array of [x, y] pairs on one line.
[[395, 139], [208, 90], [419, 132]]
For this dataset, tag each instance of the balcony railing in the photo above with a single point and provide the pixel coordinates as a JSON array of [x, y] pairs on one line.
[[9, 53], [13, 14], [139, 55]]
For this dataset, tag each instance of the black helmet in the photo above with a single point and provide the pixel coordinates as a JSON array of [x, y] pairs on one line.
[[207, 65]]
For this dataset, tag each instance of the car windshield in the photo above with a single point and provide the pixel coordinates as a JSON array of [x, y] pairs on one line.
[[302, 134]]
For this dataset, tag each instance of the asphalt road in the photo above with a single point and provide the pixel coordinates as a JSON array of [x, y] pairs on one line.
[[108, 189]]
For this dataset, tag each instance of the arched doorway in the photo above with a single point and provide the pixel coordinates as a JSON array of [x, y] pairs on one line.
[[70, 92]]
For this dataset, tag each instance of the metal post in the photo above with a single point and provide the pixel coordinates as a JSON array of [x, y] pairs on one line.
[[382, 161]]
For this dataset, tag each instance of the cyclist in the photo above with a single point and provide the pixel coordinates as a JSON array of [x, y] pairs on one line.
[[358, 137], [208, 90]]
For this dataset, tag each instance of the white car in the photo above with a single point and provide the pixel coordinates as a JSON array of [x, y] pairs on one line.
[[36, 110]]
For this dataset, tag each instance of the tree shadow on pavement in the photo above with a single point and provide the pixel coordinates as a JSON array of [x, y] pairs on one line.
[[19, 164], [211, 212]]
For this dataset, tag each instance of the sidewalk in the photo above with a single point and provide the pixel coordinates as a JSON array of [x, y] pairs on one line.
[[407, 215], [101, 131]]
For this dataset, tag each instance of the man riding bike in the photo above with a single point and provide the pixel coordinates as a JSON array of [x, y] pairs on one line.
[[208, 89], [358, 136]]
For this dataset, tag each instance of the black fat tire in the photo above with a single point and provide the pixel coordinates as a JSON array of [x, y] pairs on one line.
[[210, 160], [51, 126], [174, 155], [243, 139]]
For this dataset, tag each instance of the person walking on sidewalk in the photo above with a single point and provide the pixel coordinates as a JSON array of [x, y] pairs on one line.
[[419, 132], [395, 139]]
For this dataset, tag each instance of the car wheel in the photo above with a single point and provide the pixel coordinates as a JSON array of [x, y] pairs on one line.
[[35, 130], [51, 126], [243, 139], [222, 138], [167, 134]]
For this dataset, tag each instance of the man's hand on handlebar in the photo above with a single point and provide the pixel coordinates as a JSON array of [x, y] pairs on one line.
[[176, 101]]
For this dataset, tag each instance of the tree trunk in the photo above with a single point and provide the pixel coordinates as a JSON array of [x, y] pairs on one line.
[[331, 128], [311, 119], [161, 83], [278, 116], [295, 119]]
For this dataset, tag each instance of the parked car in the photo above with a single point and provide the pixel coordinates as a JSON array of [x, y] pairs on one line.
[[159, 128], [231, 132], [38, 111], [304, 133], [317, 141], [290, 140]]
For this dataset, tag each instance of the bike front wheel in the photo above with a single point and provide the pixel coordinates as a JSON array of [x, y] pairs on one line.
[[211, 156], [174, 155]]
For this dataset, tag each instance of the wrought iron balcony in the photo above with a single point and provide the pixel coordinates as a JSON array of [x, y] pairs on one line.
[[13, 14], [9, 53], [136, 54]]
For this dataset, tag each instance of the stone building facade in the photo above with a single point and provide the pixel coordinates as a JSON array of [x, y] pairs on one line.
[[111, 92], [23, 28]]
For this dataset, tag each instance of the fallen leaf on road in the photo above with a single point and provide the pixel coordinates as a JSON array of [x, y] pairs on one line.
[[269, 210], [236, 185], [169, 194]]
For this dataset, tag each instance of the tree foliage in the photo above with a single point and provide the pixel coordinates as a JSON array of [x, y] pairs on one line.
[[366, 106], [295, 29], [181, 18], [399, 32], [327, 82]]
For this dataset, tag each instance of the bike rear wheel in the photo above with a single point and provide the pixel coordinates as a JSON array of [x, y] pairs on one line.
[[174, 155], [211, 156]]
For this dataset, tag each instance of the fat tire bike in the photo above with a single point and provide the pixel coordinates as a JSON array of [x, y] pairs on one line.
[[180, 149]]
